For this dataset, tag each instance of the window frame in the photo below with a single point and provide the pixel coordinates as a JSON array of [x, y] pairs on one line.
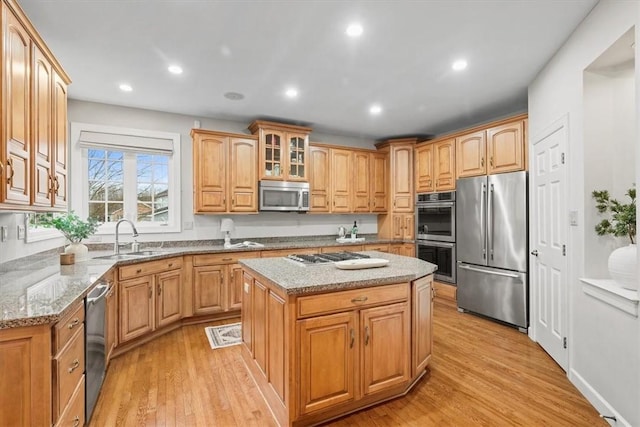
[[79, 188]]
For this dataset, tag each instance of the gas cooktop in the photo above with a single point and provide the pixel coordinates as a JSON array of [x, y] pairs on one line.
[[317, 259]]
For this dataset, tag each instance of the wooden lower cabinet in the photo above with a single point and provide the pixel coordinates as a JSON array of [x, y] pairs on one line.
[[404, 249], [319, 356], [111, 320]]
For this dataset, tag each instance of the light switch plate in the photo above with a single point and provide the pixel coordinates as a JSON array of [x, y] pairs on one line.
[[573, 218], [20, 232], [4, 233]]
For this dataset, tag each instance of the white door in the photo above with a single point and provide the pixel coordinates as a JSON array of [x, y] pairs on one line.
[[548, 226]]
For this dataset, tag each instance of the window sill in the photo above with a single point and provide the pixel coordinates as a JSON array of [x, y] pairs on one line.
[[608, 292]]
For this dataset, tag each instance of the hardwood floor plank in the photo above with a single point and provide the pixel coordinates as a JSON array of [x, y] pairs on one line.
[[481, 374]]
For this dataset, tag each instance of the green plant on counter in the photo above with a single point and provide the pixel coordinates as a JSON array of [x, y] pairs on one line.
[[71, 225], [623, 216]]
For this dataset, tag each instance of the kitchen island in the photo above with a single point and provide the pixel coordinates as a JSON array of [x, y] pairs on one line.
[[322, 342]]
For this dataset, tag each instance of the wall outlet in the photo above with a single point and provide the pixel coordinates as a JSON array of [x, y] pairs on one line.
[[21, 232], [188, 225], [4, 233]]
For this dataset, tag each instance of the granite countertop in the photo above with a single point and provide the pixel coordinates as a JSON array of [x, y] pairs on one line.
[[38, 290], [296, 279]]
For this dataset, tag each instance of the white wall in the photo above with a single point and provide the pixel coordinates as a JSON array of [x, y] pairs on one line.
[[604, 343], [204, 226]]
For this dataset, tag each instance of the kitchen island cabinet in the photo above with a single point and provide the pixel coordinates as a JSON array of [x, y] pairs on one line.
[[323, 345]]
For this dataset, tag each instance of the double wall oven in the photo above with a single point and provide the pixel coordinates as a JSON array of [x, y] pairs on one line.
[[436, 232]]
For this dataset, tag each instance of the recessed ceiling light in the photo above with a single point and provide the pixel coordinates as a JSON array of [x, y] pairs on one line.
[[234, 96], [291, 92], [125, 87], [459, 65], [375, 109], [175, 69], [354, 30]]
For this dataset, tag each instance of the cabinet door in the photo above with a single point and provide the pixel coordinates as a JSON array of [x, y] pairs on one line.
[[385, 347], [398, 226], [407, 249], [319, 179], [42, 179], [327, 357], [408, 229], [208, 289], [136, 307], [210, 183], [361, 200], [272, 158], [16, 111], [470, 155], [276, 344], [505, 147], [379, 180], [445, 165], [111, 321], [243, 181], [247, 311], [402, 178], [424, 169], [234, 293], [297, 151], [168, 297], [341, 180], [421, 323], [260, 294], [59, 147]]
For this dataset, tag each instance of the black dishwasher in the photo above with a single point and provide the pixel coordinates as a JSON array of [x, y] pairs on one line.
[[94, 345]]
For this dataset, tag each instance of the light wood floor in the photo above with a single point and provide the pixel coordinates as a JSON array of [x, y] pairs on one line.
[[481, 374]]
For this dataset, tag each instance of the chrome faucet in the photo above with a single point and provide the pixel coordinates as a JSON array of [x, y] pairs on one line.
[[116, 246]]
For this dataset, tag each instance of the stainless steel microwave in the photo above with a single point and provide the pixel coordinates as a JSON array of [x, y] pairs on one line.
[[284, 196]]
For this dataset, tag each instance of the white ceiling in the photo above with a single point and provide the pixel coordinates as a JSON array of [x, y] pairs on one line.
[[259, 48]]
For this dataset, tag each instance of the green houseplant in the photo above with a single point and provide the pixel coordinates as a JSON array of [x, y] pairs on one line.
[[622, 222], [74, 229]]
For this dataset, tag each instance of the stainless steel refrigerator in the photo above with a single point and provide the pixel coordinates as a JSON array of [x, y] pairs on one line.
[[491, 223]]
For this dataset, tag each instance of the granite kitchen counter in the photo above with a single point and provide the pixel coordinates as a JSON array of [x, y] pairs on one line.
[[297, 279], [38, 290]]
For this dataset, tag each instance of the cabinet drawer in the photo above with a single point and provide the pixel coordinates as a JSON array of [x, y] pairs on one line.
[[145, 268], [67, 326], [73, 414], [348, 300], [225, 258], [379, 248], [68, 371]]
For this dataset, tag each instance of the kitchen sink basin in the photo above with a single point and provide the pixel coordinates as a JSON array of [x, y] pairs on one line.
[[130, 255]]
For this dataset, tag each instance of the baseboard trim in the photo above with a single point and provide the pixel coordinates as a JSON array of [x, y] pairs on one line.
[[600, 403]]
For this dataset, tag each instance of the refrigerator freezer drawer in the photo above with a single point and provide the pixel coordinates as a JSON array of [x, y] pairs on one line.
[[499, 294]]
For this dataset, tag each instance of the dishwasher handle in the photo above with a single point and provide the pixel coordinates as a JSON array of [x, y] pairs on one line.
[[105, 289]]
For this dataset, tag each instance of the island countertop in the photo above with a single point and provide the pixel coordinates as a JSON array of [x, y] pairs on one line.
[[296, 279]]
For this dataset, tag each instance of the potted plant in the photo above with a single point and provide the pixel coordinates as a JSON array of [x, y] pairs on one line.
[[622, 261], [74, 229]]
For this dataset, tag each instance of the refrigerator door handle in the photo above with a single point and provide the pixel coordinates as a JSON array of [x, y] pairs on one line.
[[483, 219], [490, 222], [480, 270]]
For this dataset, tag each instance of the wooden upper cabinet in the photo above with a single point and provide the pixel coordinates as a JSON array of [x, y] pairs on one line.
[[42, 191], [471, 153], [361, 200], [379, 181], [505, 147], [16, 135], [340, 167], [424, 169], [401, 159], [444, 165], [225, 178], [59, 144], [284, 151], [319, 179]]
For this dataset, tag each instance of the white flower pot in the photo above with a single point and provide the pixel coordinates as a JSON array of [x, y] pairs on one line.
[[623, 267], [80, 251]]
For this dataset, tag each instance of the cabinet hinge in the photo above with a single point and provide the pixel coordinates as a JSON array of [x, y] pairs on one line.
[[562, 158], [564, 342], [564, 250]]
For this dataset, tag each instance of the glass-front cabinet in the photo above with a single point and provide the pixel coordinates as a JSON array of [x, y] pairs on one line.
[[283, 151]]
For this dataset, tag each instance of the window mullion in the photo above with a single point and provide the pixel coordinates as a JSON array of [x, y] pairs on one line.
[[130, 186]]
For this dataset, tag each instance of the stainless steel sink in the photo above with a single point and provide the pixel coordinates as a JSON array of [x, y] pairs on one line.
[[130, 255]]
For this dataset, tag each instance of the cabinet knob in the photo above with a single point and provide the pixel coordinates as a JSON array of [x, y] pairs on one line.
[[353, 338], [57, 184], [76, 421], [170, 264], [139, 271], [491, 161], [13, 171], [159, 289], [366, 335], [1, 168], [482, 162], [359, 299], [73, 323], [74, 365]]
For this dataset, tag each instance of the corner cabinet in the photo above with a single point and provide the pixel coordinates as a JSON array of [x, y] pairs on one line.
[[224, 167], [33, 144], [284, 151]]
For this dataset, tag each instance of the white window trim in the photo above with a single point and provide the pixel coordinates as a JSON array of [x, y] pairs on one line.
[[79, 188], [39, 234]]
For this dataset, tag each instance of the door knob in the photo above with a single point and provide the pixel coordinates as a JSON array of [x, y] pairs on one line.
[[534, 252]]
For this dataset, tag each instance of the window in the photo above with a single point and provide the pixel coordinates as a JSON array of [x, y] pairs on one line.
[[126, 173]]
